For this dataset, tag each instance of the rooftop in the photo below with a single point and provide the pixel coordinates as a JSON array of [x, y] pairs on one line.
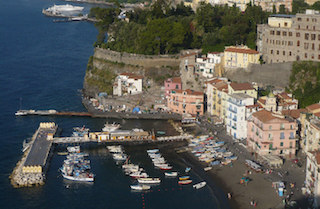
[[174, 80], [267, 116], [240, 96], [293, 113], [189, 92], [312, 107], [241, 86], [241, 50]]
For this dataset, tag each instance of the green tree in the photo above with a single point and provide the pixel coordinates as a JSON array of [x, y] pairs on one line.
[[299, 6], [282, 9]]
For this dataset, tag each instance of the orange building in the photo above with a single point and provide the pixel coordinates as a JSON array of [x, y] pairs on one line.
[[186, 101]]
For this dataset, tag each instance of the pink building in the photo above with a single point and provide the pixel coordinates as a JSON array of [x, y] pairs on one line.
[[186, 101], [172, 84], [269, 133]]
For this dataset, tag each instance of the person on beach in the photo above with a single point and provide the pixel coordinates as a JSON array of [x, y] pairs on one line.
[[229, 196]]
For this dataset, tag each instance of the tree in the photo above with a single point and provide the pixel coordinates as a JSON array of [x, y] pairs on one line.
[[299, 6]]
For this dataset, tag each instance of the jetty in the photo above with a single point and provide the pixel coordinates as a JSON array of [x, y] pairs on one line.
[[31, 169]]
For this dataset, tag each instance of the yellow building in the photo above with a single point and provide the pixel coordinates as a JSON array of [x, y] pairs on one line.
[[245, 88], [220, 92], [279, 22], [240, 57]]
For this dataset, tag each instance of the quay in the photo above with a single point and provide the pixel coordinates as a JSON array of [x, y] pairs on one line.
[[31, 169], [68, 18]]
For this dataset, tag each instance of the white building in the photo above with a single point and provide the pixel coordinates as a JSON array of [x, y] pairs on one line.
[[127, 83], [206, 65], [236, 122], [312, 176], [241, 4]]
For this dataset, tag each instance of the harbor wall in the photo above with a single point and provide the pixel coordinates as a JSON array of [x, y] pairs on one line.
[[137, 59]]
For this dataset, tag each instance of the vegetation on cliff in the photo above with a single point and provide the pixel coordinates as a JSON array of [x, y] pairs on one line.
[[305, 82], [163, 29]]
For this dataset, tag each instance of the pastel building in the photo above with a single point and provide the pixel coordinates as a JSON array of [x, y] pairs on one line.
[[172, 84], [211, 95], [273, 134], [236, 124], [246, 88], [186, 101], [279, 102], [240, 57], [206, 65], [313, 177], [127, 83], [219, 99]]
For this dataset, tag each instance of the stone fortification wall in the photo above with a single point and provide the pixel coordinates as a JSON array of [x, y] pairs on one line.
[[137, 59], [276, 74]]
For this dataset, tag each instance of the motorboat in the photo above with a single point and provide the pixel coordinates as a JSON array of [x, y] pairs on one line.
[[109, 127], [184, 182], [182, 178], [67, 8], [149, 180], [75, 149], [199, 185], [187, 169], [207, 168], [171, 174], [140, 187], [153, 150], [139, 174], [167, 167]]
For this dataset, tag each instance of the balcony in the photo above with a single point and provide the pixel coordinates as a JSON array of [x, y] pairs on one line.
[[231, 110]]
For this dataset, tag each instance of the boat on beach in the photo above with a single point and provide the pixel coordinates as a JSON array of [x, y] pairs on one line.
[[182, 178], [199, 185]]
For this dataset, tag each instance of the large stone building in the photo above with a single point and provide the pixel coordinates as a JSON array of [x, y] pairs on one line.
[[289, 38], [313, 177]]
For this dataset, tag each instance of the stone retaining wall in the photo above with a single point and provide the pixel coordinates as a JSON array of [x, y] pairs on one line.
[[137, 59]]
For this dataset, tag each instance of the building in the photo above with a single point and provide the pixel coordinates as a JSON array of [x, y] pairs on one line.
[[127, 83], [236, 124], [241, 4], [206, 65], [313, 177], [268, 5], [288, 38], [310, 2], [219, 99], [172, 84], [240, 57], [246, 88], [278, 103], [186, 101], [269, 133], [211, 97]]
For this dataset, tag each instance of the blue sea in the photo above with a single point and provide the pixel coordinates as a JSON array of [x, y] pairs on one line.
[[42, 66]]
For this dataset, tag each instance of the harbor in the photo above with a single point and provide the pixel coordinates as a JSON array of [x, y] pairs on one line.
[[31, 169]]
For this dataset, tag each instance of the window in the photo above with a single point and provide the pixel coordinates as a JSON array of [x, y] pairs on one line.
[[290, 33], [284, 33], [306, 55], [270, 127], [270, 136], [281, 126], [307, 19], [313, 36], [290, 53], [272, 32], [290, 144], [281, 144], [298, 43], [277, 52], [278, 33], [291, 135], [271, 52], [306, 36], [312, 46], [306, 45], [284, 53], [291, 127], [298, 35], [299, 18]]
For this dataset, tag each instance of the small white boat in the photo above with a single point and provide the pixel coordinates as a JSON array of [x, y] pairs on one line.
[[149, 180], [171, 174], [140, 187], [110, 127], [207, 168], [153, 150], [199, 185], [74, 149], [139, 174], [187, 169]]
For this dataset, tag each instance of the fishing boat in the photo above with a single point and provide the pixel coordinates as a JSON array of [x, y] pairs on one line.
[[139, 174], [85, 177], [140, 187], [167, 167], [153, 150], [75, 149], [199, 185], [161, 132], [187, 169], [182, 178], [171, 174], [80, 131], [149, 180], [207, 168], [184, 182]]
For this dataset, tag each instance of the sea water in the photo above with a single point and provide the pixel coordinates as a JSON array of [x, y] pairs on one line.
[[42, 66]]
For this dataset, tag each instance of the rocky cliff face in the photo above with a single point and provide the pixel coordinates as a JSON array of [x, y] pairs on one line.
[[105, 65]]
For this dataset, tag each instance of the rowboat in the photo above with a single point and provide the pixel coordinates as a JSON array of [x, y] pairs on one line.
[[140, 187], [153, 150], [207, 168], [185, 182], [199, 185], [171, 174], [165, 167], [184, 178], [187, 169]]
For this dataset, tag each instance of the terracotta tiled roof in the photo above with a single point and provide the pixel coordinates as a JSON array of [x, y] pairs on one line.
[[241, 86], [214, 81], [317, 156], [262, 101], [313, 107], [317, 114], [293, 113], [189, 92], [239, 50], [284, 95], [266, 116], [131, 75], [254, 106], [222, 86], [174, 80]]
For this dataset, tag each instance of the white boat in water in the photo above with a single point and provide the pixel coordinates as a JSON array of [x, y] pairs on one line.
[[73, 149], [109, 127], [199, 185], [67, 8], [81, 177], [140, 187], [207, 168], [171, 174], [149, 180]]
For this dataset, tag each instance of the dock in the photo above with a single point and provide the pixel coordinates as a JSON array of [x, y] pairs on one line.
[[68, 18], [32, 168]]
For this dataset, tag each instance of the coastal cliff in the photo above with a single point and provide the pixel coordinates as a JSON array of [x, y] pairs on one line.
[[105, 65]]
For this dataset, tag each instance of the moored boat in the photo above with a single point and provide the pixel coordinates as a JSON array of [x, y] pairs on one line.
[[207, 168], [189, 181], [187, 169], [182, 178], [171, 174], [140, 187], [149, 180], [199, 185]]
